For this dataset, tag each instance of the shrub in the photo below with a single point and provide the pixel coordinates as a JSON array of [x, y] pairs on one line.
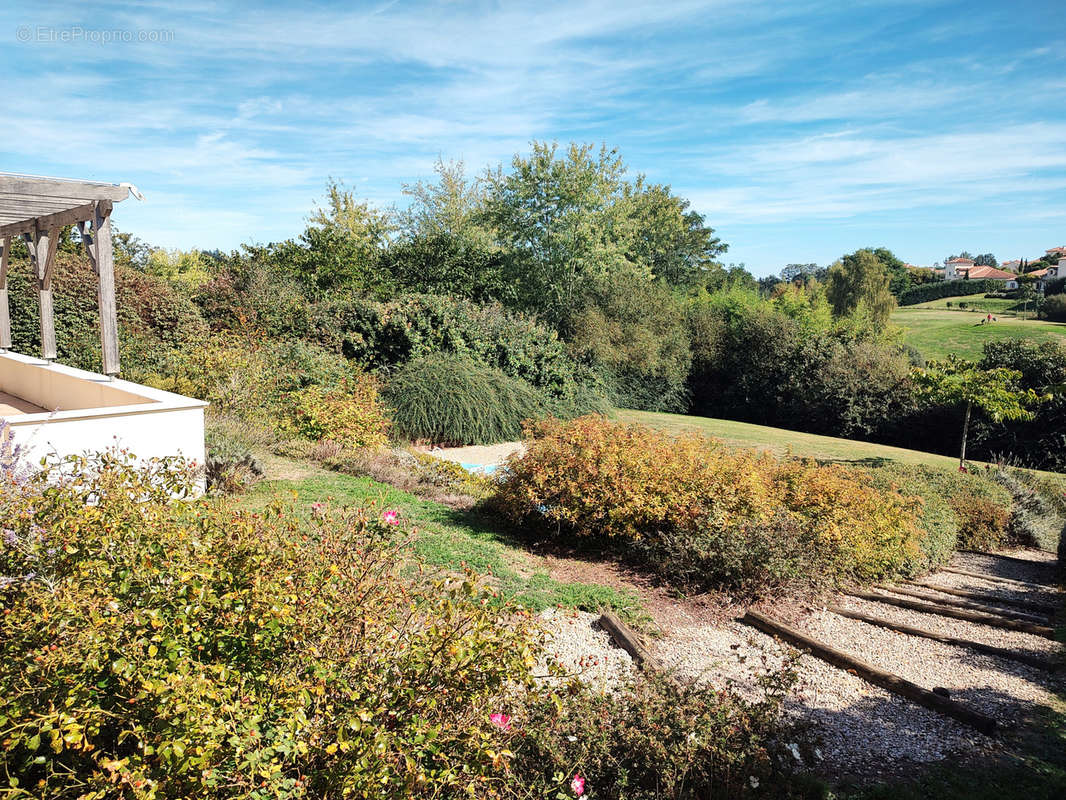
[[964, 304], [936, 516], [453, 400], [633, 331], [230, 466], [939, 289], [147, 651], [351, 414], [385, 336], [1054, 308], [703, 514], [655, 739]]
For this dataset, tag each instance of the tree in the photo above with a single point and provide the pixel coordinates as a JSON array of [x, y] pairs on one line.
[[666, 236], [557, 214], [858, 283], [1026, 292], [994, 391], [451, 206], [985, 260], [803, 273]]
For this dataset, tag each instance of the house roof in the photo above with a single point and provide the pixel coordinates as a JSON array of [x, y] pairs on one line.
[[989, 273], [1061, 249], [1038, 273], [960, 261], [32, 201]]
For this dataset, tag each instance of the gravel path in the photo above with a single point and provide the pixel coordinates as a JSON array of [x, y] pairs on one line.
[[582, 649], [1000, 688], [861, 730], [1038, 570], [1006, 591]]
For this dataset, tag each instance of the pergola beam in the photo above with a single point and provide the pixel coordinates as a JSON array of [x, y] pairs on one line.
[[58, 219], [37, 208], [42, 246], [98, 247], [28, 185]]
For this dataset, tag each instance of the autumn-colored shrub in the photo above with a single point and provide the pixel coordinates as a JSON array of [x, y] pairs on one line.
[[351, 414], [158, 652], [702, 513]]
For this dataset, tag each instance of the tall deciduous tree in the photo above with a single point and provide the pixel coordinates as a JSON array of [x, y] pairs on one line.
[[859, 283], [997, 392], [558, 215]]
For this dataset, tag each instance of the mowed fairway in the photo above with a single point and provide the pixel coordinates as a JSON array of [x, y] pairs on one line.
[[936, 332]]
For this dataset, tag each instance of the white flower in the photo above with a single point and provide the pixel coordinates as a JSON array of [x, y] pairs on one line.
[[754, 782], [795, 752]]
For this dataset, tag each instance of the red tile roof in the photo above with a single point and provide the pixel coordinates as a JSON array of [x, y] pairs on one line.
[[988, 273]]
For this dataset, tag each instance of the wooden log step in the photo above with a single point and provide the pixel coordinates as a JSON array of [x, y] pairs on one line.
[[958, 613], [1039, 662], [944, 601], [1023, 585], [628, 640], [870, 673], [1032, 605]]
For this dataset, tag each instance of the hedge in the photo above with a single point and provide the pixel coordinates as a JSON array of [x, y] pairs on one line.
[[957, 288]]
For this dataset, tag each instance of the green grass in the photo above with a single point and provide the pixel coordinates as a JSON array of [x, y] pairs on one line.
[[936, 331], [451, 539], [783, 442]]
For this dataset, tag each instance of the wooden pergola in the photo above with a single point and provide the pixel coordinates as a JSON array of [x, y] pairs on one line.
[[36, 209]]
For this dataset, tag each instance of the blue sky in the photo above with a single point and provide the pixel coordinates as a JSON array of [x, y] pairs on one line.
[[802, 130]]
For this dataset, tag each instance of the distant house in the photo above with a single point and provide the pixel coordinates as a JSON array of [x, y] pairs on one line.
[[1012, 266], [953, 266], [1044, 275], [1056, 252]]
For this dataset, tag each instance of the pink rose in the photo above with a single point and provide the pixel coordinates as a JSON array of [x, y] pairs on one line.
[[577, 785], [391, 517], [501, 721]]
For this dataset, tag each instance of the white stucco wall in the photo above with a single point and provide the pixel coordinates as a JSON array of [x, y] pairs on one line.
[[89, 412]]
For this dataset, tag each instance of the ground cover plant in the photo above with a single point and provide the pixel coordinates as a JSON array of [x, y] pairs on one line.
[[703, 514]]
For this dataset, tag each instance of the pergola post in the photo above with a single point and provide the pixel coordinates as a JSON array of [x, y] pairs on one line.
[[42, 247], [98, 246], [5, 311]]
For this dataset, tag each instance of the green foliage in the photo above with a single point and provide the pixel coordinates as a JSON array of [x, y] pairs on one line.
[[633, 332], [350, 413], [566, 216], [752, 360], [701, 514], [657, 738], [153, 315], [941, 289], [443, 399], [447, 264], [959, 510], [385, 336], [161, 652], [230, 467], [1054, 308], [859, 284]]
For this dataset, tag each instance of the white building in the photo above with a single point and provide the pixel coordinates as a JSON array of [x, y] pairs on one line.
[[57, 410]]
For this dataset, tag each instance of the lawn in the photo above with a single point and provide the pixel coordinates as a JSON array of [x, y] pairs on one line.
[[783, 442], [936, 332], [451, 539]]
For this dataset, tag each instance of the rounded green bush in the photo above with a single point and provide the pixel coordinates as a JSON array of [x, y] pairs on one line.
[[453, 400]]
